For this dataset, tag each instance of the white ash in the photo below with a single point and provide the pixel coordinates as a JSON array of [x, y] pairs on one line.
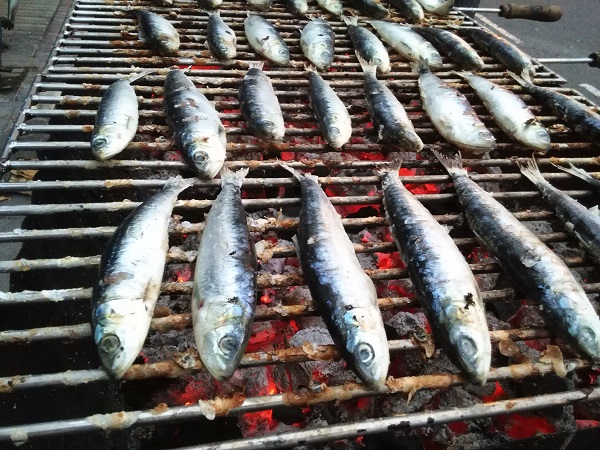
[[457, 397], [440, 364], [476, 441], [531, 353], [416, 403], [162, 346], [257, 381], [407, 323], [496, 324], [298, 295], [480, 391]]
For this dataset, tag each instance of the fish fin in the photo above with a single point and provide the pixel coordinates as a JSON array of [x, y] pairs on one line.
[[296, 246], [135, 77], [575, 171], [594, 210], [179, 184], [532, 121], [392, 166], [310, 16], [526, 76], [230, 177], [309, 68], [463, 74], [367, 66], [213, 13], [452, 163], [256, 65], [420, 66], [352, 20], [297, 174], [523, 81], [380, 133], [532, 172]]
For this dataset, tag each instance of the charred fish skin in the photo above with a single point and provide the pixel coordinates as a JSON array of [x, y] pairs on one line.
[[510, 113], [157, 32], [259, 105], [407, 43], [582, 174], [196, 126], [389, 117], [265, 40], [452, 115], [209, 4], [443, 281], [536, 269], [298, 7], [580, 117], [457, 49], [371, 8], [508, 54], [317, 40], [579, 221], [437, 7], [332, 6], [224, 289], [331, 114], [410, 9], [220, 38], [116, 120], [367, 45], [129, 280], [260, 5], [345, 294]]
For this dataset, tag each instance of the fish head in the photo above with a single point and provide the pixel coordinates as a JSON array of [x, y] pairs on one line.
[[472, 350], [221, 348], [107, 141], [169, 42], [481, 140], [279, 54], [272, 128], [205, 161], [367, 346], [226, 46], [537, 136], [586, 332], [120, 329], [382, 66]]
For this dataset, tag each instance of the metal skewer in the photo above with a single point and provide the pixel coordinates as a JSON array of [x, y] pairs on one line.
[[539, 13], [593, 60]]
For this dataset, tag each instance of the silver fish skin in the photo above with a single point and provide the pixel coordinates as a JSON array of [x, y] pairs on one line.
[[407, 43], [437, 7], [220, 38], [129, 280], [583, 120], [367, 45], [260, 5], [259, 105], [116, 120], [332, 6], [157, 32], [443, 281], [409, 9], [510, 113], [196, 126], [457, 49], [265, 40], [582, 174], [371, 8], [581, 222], [535, 268], [508, 54], [331, 114], [338, 284], [452, 115], [209, 4], [298, 7], [224, 289], [317, 40], [164, 2], [388, 115]]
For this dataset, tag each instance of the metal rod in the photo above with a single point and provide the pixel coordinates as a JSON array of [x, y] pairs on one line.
[[564, 60]]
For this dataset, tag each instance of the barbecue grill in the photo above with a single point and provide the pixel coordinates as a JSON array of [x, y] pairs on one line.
[[51, 389]]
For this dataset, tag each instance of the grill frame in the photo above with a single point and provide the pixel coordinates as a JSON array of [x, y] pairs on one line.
[[233, 406]]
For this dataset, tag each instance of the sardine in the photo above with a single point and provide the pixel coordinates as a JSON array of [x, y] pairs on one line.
[[260, 5], [317, 40], [583, 120], [298, 7], [209, 4], [224, 292], [535, 268], [409, 9], [443, 281], [371, 8], [367, 45], [156, 31], [389, 117], [332, 6], [437, 7], [164, 2], [331, 114], [116, 118], [505, 52], [581, 222], [452, 115], [129, 279], [580, 173], [510, 113], [452, 45], [407, 43], [259, 105], [338, 284], [196, 126], [220, 38], [265, 40]]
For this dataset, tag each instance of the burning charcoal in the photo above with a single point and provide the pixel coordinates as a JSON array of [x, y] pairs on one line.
[[163, 346], [496, 324], [407, 323], [440, 364], [298, 295], [417, 402], [528, 316], [475, 441], [456, 397]]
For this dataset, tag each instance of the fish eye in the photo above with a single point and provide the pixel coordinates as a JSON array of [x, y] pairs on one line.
[[365, 353], [200, 157], [267, 124], [100, 142], [467, 346], [228, 344], [587, 335], [110, 343], [485, 134], [377, 61]]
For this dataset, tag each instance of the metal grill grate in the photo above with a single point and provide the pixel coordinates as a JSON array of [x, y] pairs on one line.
[[98, 46]]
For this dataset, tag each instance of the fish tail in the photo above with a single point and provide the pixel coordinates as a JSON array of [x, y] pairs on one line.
[[575, 171], [135, 77], [420, 66], [300, 176], [531, 170], [392, 166], [230, 177], [524, 81], [179, 184], [309, 68], [256, 65], [352, 20], [367, 66], [452, 163], [463, 74]]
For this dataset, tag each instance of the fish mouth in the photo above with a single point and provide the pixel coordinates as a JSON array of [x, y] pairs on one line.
[[473, 358], [114, 356], [220, 351]]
